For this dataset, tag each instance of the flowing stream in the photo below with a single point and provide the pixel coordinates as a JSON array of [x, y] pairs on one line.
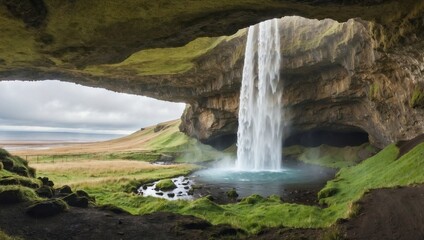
[[260, 130]]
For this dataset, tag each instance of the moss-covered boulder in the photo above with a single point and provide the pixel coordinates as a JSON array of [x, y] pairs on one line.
[[81, 193], [45, 191], [75, 201], [46, 208], [16, 194], [46, 181], [232, 193], [65, 189], [15, 164], [165, 185], [19, 180]]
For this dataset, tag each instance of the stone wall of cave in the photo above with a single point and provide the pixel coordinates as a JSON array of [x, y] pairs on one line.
[[335, 79]]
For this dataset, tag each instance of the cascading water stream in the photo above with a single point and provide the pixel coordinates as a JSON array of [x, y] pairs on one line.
[[260, 130]]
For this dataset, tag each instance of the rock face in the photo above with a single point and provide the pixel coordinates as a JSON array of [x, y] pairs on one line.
[[362, 75], [335, 79]]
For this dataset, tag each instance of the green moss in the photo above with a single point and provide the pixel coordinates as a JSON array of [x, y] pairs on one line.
[[255, 212], [162, 60], [19, 180], [16, 193], [4, 236], [165, 185], [16, 164], [417, 98], [374, 90]]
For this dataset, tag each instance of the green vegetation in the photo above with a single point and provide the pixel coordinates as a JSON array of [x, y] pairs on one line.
[[332, 157], [16, 193], [15, 164], [19, 180], [4, 236], [374, 90], [417, 98], [165, 185], [114, 183], [255, 213], [163, 60]]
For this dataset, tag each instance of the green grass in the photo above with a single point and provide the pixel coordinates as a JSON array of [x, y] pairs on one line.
[[256, 213], [21, 193], [417, 98], [332, 157]]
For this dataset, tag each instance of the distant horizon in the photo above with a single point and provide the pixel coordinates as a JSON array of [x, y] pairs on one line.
[[54, 106]]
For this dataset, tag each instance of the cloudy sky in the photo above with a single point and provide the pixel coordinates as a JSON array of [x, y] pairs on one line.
[[61, 106]]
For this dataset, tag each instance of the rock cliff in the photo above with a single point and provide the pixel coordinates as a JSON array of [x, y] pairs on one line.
[[335, 80], [363, 74]]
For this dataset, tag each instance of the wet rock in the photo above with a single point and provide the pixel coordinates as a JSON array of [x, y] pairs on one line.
[[159, 193], [186, 187], [232, 193], [166, 158], [144, 187], [171, 195], [190, 192], [46, 208]]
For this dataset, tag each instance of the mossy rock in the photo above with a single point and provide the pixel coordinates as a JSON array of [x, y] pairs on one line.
[[165, 185], [253, 199], [18, 180], [47, 208], [16, 194], [15, 164], [327, 192], [232, 193], [1, 166], [65, 189], [46, 181], [45, 191], [81, 193], [75, 201]]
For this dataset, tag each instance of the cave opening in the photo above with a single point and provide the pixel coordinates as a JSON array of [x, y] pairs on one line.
[[331, 137], [222, 142]]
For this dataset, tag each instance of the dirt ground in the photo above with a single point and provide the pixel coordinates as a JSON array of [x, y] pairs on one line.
[[396, 213], [92, 223]]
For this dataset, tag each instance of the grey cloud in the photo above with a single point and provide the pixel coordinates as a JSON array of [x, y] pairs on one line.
[[60, 104]]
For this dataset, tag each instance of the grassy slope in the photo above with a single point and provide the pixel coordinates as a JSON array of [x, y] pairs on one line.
[[255, 213], [107, 173]]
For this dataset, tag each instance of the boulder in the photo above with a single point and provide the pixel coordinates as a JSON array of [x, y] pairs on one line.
[[11, 196], [75, 201], [45, 191], [46, 208], [65, 189]]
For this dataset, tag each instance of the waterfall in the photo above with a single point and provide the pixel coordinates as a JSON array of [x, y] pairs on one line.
[[260, 133]]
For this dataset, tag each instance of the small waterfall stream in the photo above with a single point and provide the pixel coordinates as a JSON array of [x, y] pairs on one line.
[[260, 130]]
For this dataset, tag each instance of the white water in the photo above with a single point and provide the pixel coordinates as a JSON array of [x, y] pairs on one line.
[[260, 131]]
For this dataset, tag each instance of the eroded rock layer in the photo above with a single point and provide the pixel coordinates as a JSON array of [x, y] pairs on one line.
[[364, 74], [335, 79]]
